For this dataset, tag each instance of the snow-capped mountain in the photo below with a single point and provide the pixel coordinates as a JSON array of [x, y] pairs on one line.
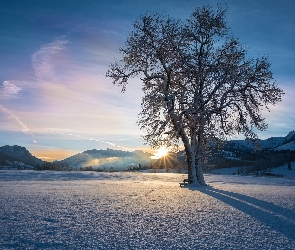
[[255, 156], [273, 143]]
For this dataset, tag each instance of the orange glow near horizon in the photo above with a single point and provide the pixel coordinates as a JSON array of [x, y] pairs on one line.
[[61, 154], [53, 154]]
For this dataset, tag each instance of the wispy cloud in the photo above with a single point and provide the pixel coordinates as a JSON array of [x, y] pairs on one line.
[[44, 59], [85, 138], [69, 92], [11, 89], [25, 128]]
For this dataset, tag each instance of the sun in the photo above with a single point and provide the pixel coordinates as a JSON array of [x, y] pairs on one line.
[[161, 152]]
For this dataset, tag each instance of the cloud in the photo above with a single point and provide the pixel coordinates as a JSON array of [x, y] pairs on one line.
[[12, 88], [25, 128], [85, 138], [44, 59], [71, 93]]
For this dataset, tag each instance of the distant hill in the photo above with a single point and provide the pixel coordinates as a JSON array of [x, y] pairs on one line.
[[255, 155], [11, 154], [105, 159]]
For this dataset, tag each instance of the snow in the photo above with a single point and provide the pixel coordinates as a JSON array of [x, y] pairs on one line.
[[285, 172], [122, 210]]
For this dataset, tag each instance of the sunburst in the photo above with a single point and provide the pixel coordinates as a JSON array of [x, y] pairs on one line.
[[161, 152]]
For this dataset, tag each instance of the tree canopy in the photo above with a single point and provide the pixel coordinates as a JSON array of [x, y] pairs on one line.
[[198, 83]]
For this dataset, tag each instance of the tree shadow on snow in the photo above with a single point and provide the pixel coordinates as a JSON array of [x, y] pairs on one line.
[[276, 217]]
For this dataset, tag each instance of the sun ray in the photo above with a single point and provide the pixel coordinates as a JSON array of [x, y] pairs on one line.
[[161, 152]]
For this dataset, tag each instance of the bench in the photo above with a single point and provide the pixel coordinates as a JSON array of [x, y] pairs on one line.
[[185, 182]]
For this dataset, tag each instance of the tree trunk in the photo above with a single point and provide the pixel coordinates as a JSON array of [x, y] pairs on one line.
[[199, 159], [191, 164], [199, 171]]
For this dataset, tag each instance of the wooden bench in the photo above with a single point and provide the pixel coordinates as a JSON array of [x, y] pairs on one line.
[[185, 182]]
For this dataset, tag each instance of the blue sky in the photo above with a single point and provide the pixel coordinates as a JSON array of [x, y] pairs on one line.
[[54, 97]]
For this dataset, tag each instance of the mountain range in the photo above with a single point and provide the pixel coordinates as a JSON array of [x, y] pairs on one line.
[[273, 151], [273, 143]]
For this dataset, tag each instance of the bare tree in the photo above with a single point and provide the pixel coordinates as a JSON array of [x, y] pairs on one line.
[[198, 83]]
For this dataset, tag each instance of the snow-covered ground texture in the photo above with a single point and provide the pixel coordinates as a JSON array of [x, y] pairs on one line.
[[87, 210]]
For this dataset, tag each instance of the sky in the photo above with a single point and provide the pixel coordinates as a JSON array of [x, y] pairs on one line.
[[54, 97]]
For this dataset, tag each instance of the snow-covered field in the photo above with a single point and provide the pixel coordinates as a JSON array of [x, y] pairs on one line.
[[88, 210]]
